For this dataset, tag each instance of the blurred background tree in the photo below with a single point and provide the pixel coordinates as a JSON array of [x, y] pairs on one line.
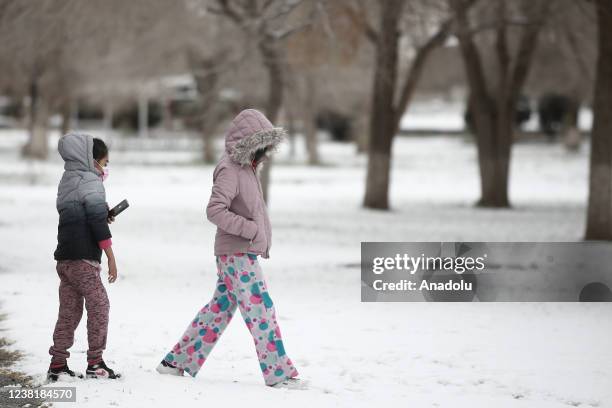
[[599, 213], [347, 69]]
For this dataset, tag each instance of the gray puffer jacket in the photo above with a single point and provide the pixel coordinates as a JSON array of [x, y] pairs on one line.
[[81, 202]]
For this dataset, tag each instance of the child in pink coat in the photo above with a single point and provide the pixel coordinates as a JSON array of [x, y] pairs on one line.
[[244, 232]]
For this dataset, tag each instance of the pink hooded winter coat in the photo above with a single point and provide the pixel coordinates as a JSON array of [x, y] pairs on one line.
[[236, 204]]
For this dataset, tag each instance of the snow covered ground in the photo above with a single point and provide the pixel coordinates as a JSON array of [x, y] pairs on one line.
[[354, 354]]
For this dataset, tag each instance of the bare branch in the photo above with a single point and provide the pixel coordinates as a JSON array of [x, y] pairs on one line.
[[280, 35], [471, 57], [266, 5], [359, 18], [229, 11], [501, 48], [416, 68], [284, 8], [527, 47]]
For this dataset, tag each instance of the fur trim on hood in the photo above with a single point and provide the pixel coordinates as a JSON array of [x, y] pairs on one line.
[[248, 132]]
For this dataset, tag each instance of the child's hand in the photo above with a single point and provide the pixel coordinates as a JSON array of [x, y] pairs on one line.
[[110, 218], [112, 271]]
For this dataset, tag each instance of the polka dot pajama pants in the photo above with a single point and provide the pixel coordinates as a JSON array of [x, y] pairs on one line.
[[240, 284]]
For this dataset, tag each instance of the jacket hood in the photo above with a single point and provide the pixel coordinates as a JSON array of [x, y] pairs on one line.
[[77, 151], [249, 131]]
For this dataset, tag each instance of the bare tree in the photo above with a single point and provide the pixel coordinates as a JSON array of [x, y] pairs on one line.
[[56, 51], [206, 72], [390, 95], [599, 216], [34, 62], [492, 105], [325, 69], [330, 64], [264, 22], [303, 94], [383, 116]]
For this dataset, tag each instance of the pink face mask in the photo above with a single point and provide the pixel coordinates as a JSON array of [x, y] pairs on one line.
[[105, 171]]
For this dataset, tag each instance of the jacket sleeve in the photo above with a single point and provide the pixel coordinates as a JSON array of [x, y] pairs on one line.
[[93, 198], [225, 188]]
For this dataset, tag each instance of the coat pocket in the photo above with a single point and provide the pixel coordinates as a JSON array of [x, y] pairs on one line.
[[260, 235]]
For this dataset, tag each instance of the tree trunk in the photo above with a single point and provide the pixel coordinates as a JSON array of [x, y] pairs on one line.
[[386, 111], [382, 124], [571, 132], [291, 130], [143, 116], [599, 215], [309, 120], [360, 131], [167, 122], [36, 147], [276, 77], [208, 127], [66, 117], [492, 112], [494, 142], [206, 74], [74, 114], [276, 82], [208, 141], [108, 116]]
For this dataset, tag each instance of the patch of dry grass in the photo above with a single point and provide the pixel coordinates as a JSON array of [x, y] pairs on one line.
[[10, 377], [7, 359]]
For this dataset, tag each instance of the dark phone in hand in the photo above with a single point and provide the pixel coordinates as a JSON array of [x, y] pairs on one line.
[[118, 209]]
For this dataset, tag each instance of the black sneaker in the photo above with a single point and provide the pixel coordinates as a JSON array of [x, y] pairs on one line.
[[54, 373], [100, 370]]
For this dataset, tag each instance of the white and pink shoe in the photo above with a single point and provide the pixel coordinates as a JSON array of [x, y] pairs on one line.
[[292, 384], [168, 369]]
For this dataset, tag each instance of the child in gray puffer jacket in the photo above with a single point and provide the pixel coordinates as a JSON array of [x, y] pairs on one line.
[[82, 235]]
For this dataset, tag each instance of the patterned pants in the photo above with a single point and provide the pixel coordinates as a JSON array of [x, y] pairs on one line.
[[80, 281], [240, 284]]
